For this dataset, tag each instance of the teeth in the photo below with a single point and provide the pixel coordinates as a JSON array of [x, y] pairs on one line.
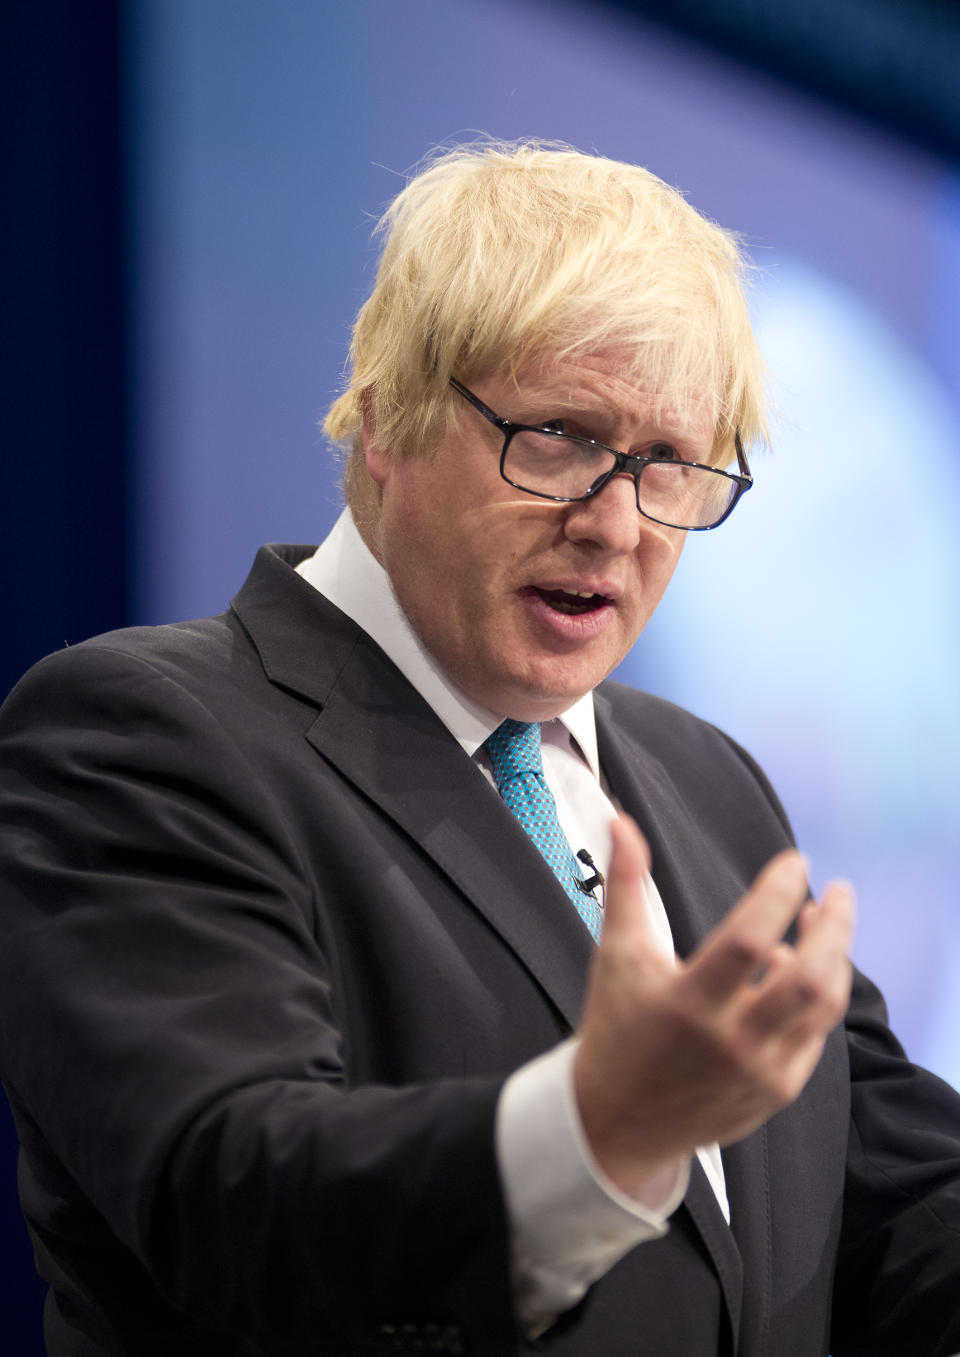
[[580, 593]]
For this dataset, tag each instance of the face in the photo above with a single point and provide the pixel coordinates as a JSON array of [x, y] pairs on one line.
[[528, 604]]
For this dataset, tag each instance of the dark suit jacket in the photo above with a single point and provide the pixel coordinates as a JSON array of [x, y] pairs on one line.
[[269, 944]]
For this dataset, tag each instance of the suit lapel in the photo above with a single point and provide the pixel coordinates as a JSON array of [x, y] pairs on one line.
[[747, 1171], [383, 737], [695, 889], [413, 769], [694, 880]]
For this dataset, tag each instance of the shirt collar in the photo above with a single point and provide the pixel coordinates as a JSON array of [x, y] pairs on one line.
[[345, 571]]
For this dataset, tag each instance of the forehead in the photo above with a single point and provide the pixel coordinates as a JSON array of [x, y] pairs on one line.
[[610, 389]]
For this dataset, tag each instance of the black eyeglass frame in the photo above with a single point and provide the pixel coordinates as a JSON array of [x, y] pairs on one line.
[[626, 462]]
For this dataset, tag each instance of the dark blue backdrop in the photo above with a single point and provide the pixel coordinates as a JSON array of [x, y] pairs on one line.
[[73, 446]]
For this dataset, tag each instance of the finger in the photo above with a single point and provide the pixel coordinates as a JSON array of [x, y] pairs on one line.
[[780, 957], [810, 992], [743, 945], [625, 894], [807, 916], [845, 901], [799, 1048]]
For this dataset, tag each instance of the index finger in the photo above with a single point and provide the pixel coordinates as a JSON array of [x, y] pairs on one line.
[[743, 944]]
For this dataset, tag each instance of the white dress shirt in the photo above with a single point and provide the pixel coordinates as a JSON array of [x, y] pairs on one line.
[[569, 1224]]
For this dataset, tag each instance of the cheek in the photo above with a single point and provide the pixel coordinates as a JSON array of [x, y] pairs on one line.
[[663, 556], [655, 568], [436, 564]]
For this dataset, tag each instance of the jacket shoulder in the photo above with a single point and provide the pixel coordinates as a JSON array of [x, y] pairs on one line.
[[193, 652], [174, 650], [709, 763], [660, 725]]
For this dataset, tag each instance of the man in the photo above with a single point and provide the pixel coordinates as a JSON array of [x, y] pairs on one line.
[[295, 933]]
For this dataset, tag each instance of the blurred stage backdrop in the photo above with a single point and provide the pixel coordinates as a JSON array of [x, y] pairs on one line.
[[198, 180]]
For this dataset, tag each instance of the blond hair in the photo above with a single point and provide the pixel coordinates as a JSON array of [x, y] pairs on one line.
[[501, 253]]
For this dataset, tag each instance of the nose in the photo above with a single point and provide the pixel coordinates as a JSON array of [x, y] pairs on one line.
[[610, 519]]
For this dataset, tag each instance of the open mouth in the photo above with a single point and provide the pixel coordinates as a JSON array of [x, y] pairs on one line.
[[572, 601]]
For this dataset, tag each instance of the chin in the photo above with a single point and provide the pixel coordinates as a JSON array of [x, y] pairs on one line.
[[536, 702], [557, 684], [534, 689]]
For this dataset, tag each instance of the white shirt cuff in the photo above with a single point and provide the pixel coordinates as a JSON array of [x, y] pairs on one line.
[[569, 1222]]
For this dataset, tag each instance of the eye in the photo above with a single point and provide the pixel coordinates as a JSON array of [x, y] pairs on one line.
[[554, 425], [664, 452]]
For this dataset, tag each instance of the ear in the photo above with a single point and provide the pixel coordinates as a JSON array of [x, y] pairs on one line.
[[376, 457]]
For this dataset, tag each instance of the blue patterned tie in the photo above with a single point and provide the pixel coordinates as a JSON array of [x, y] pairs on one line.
[[514, 749]]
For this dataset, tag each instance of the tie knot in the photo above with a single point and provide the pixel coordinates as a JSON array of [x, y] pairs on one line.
[[514, 748]]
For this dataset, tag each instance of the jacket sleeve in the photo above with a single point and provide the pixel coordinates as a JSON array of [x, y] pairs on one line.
[[173, 1044], [897, 1284], [897, 1279]]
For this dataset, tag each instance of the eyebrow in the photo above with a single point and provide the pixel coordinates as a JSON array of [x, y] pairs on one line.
[[597, 411]]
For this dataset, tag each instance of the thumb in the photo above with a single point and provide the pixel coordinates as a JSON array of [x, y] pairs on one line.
[[625, 895]]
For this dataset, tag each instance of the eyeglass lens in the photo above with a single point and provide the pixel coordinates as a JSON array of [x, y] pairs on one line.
[[672, 492]]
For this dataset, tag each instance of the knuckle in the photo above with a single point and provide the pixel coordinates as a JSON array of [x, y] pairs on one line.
[[738, 1054], [746, 952], [807, 992], [824, 994]]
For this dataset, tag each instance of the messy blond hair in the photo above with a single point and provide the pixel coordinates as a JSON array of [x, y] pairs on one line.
[[503, 253]]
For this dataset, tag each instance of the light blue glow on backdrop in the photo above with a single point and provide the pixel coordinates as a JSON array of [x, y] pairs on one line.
[[819, 630], [820, 626]]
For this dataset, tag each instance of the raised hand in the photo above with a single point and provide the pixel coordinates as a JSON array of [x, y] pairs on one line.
[[674, 1056]]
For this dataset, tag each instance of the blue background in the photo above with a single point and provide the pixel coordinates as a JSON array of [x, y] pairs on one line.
[[258, 143]]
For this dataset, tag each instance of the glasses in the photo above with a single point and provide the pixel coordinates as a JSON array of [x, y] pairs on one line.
[[562, 467]]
